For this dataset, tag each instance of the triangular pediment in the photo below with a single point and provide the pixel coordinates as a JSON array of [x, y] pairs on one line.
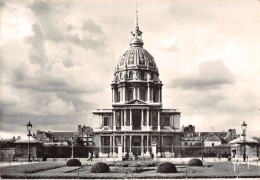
[[136, 101]]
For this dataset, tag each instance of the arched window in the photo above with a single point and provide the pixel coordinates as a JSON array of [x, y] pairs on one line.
[[120, 75], [130, 75]]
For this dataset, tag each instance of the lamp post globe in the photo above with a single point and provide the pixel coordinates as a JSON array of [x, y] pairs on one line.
[[244, 126], [29, 128]]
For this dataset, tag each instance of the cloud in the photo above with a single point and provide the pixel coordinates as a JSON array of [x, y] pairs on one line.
[[211, 74], [40, 7], [2, 4], [90, 26], [48, 14], [36, 41], [172, 48]]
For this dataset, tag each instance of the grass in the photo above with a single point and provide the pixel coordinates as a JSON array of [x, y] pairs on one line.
[[209, 170], [28, 168]]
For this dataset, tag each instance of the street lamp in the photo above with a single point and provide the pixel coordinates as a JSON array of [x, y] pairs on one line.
[[29, 128], [244, 126]]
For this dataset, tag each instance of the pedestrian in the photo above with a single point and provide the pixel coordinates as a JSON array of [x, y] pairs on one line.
[[89, 156], [152, 156]]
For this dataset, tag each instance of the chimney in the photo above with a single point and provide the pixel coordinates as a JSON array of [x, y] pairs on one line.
[[79, 128]]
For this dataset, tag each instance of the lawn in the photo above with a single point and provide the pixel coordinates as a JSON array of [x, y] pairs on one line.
[[24, 170], [117, 171]]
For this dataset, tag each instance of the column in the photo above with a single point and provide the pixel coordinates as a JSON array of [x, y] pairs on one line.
[[124, 144], [113, 95], [172, 145], [159, 95], [142, 145], [152, 94], [138, 97], [111, 148], [114, 120], [162, 144], [124, 117], [130, 150], [147, 150], [148, 93], [159, 124], [123, 94], [130, 117], [147, 120], [134, 93], [159, 144], [100, 147], [142, 119], [114, 144]]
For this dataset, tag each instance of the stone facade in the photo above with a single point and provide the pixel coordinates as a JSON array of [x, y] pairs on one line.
[[137, 118]]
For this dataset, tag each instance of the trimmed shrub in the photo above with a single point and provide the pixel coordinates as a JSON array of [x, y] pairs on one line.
[[73, 162], [100, 167], [195, 162], [166, 167]]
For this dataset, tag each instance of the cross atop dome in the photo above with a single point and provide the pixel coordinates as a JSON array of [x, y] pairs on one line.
[[136, 40], [136, 18]]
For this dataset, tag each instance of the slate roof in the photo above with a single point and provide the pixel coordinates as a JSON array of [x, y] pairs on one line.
[[212, 137], [62, 135]]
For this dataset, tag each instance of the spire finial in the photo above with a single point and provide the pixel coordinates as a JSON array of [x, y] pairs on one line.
[[136, 16]]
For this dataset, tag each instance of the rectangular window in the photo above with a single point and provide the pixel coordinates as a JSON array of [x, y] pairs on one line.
[[142, 75], [106, 121], [143, 95], [130, 94], [166, 121]]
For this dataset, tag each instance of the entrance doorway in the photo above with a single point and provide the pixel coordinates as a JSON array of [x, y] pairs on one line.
[[136, 120], [136, 145]]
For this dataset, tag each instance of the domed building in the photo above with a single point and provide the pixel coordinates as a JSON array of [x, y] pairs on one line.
[[137, 118]]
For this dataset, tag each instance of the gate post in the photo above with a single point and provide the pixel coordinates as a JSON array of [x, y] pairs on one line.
[[120, 152], [154, 147]]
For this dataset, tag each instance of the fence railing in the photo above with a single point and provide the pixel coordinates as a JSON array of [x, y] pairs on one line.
[[133, 152]]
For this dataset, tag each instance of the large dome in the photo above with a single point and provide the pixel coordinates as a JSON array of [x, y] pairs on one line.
[[136, 57], [136, 63]]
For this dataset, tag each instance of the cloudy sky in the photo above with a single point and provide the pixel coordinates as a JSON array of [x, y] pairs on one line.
[[58, 58]]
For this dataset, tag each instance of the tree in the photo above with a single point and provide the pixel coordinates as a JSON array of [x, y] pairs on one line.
[[78, 142]]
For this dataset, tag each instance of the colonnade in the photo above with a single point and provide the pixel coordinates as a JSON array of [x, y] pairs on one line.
[[136, 93], [123, 119], [113, 143], [127, 143]]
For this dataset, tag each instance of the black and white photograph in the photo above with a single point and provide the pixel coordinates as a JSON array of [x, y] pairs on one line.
[[117, 89]]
